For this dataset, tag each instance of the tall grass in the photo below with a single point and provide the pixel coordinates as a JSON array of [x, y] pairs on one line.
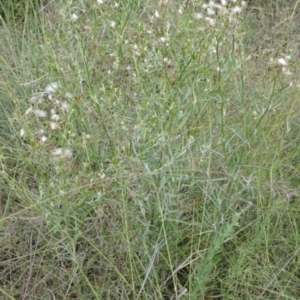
[[149, 150]]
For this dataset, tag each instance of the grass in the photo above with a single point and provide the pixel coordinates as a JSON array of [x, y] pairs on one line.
[[149, 151]]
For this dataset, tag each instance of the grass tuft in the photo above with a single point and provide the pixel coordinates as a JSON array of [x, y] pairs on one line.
[[149, 150]]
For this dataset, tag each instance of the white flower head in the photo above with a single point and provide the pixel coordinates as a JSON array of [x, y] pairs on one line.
[[198, 16], [43, 139], [22, 133], [65, 106], [112, 24], [51, 88], [282, 62], [53, 125], [210, 11], [33, 99], [57, 152], [74, 17], [236, 10], [62, 153], [67, 153], [163, 39], [286, 71], [55, 117], [99, 2], [40, 132], [211, 21], [40, 113], [69, 95]]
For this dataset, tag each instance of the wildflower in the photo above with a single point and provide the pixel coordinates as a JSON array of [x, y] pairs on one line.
[[74, 17], [99, 2], [22, 133], [51, 88], [136, 50], [102, 175], [198, 16], [156, 14], [250, 203], [53, 126], [40, 113], [69, 95], [57, 152], [33, 99], [163, 39], [167, 61], [67, 153], [55, 117], [65, 106], [43, 139], [62, 153], [282, 62], [286, 71], [224, 2], [211, 21], [210, 11], [112, 24], [40, 132], [236, 10]]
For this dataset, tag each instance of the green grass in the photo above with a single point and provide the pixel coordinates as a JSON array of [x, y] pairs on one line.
[[167, 164]]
